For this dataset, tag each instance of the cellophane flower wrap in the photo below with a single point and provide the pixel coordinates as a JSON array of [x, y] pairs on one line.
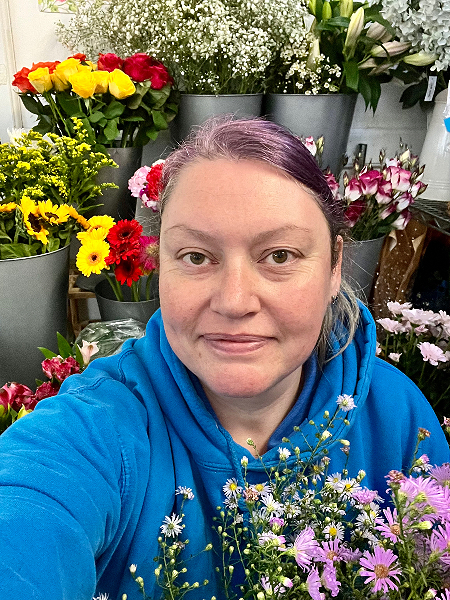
[[417, 342], [121, 253], [309, 532], [378, 200], [47, 184], [122, 102]]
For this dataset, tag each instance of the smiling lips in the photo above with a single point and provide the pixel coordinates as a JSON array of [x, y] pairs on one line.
[[235, 344]]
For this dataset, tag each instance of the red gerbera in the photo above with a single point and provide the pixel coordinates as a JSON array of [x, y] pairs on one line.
[[128, 271], [125, 232], [153, 187], [122, 252]]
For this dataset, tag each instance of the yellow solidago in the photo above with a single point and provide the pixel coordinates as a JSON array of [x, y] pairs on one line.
[[91, 257], [53, 213], [9, 207]]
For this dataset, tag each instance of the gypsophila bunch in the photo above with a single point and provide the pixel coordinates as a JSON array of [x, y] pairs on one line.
[[46, 185], [417, 342], [210, 46], [378, 200]]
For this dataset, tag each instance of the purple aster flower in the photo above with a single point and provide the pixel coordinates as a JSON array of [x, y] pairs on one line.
[[445, 595], [329, 579], [276, 523], [428, 496], [270, 537], [304, 548], [441, 474], [381, 568], [440, 541], [313, 584], [329, 551], [391, 529], [365, 496], [280, 588]]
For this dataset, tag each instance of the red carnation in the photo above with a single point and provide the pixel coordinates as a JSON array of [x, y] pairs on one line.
[[128, 271], [124, 232], [154, 187], [22, 82], [109, 62]]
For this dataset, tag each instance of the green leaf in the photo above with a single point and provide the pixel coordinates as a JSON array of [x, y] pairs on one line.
[[89, 130], [53, 244], [65, 349], [71, 106], [111, 131], [31, 104], [159, 120], [95, 117], [44, 125], [16, 250], [46, 352], [134, 119], [332, 23], [351, 74], [413, 94], [79, 356], [114, 109]]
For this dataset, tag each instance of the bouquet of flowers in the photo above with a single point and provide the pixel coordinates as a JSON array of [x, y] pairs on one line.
[[378, 200], [121, 253], [145, 185], [17, 400], [46, 185], [418, 343], [309, 532], [121, 102]]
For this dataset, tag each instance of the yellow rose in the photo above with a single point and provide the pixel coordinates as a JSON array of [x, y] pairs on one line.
[[63, 71], [101, 79], [41, 80], [83, 83], [120, 85]]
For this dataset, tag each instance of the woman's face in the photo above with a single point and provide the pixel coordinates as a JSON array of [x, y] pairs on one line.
[[245, 276]]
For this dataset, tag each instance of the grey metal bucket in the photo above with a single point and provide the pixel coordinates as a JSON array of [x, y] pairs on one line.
[[33, 307], [360, 263], [111, 309], [118, 203], [195, 109], [329, 115]]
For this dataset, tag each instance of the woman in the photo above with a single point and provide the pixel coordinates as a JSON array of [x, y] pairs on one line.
[[255, 336]]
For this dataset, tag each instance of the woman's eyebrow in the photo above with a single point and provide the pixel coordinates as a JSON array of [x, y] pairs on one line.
[[259, 238]]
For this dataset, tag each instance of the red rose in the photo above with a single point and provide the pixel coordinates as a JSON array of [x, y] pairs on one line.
[[141, 67], [41, 65], [109, 62], [21, 81], [79, 56]]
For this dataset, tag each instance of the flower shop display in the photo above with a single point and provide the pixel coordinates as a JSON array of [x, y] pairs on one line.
[[17, 400], [122, 102], [417, 342], [127, 260], [310, 532], [47, 186]]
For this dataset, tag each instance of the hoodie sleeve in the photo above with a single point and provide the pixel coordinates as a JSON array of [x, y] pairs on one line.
[[63, 478]]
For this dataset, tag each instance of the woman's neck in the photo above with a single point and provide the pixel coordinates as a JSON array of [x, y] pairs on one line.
[[259, 416]]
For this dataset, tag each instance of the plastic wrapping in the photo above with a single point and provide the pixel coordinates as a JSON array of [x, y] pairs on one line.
[[110, 335]]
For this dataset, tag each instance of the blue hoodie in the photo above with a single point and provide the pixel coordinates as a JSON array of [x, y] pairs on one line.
[[87, 479]]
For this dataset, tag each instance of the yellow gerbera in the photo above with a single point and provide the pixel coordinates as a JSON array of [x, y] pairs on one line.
[[8, 207], [101, 221], [52, 212], [92, 234], [91, 256], [31, 220]]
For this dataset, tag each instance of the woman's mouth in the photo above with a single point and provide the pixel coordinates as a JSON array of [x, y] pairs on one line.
[[235, 344]]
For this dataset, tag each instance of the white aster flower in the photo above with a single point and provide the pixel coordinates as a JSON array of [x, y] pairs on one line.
[[283, 453], [334, 531], [231, 488], [345, 402], [172, 526], [185, 491]]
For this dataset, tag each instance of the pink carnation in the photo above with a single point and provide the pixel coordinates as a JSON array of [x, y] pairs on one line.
[[139, 180], [432, 353]]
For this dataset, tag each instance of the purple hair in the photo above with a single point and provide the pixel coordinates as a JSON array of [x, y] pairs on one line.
[[256, 139]]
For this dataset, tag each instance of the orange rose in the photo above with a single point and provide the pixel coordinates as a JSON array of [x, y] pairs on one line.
[[22, 82]]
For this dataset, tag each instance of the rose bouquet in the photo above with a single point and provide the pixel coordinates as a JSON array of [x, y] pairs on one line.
[[17, 400], [308, 532], [378, 200], [418, 343], [121, 102], [46, 186], [145, 185], [121, 254]]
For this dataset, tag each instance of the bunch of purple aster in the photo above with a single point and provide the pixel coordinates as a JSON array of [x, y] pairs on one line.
[[307, 532]]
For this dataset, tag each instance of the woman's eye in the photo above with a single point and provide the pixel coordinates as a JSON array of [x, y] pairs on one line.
[[279, 257], [195, 258]]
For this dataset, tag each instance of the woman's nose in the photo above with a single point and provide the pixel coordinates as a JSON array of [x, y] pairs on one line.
[[236, 294]]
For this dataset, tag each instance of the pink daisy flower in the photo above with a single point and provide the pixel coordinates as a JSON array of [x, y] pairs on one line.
[[440, 541], [391, 529], [305, 547], [381, 568], [329, 551], [427, 493], [329, 579], [441, 474]]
